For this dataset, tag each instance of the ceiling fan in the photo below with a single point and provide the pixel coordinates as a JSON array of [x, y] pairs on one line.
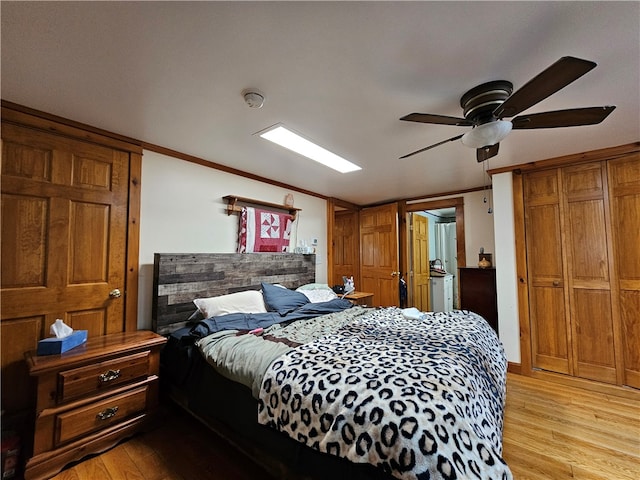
[[485, 107]]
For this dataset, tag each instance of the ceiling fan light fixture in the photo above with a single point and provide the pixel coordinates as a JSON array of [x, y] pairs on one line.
[[487, 134]]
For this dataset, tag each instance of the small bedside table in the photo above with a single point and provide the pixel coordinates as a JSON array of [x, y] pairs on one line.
[[360, 298], [91, 397]]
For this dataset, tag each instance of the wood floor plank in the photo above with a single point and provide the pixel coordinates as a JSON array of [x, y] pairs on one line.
[[151, 465], [69, 474], [555, 424], [92, 468], [120, 466], [527, 464]]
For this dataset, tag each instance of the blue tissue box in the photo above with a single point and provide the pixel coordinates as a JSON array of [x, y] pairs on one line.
[[53, 345]]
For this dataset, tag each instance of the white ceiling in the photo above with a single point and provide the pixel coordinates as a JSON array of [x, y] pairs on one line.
[[341, 73]]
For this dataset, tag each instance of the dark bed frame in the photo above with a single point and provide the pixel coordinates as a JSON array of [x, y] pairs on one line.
[[226, 407]]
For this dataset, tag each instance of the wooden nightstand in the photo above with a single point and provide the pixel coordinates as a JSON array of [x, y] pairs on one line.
[[91, 397], [360, 298]]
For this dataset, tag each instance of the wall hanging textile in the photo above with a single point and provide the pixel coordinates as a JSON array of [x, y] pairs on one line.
[[263, 231]]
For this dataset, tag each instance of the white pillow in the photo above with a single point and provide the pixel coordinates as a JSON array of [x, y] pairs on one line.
[[250, 301], [314, 286], [317, 292]]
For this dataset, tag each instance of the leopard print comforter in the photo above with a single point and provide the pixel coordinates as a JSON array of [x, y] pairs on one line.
[[420, 399]]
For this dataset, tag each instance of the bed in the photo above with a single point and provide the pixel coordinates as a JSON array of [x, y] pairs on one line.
[[311, 386]]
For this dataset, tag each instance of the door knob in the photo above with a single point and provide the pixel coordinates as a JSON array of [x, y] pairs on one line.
[[395, 274], [115, 293]]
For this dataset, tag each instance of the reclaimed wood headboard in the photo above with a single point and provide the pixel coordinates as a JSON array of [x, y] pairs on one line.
[[178, 278]]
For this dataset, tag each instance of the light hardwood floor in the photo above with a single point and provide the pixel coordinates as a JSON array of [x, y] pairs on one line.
[[551, 432], [556, 432]]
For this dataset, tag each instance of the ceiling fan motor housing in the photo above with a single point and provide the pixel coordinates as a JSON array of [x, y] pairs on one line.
[[480, 102]]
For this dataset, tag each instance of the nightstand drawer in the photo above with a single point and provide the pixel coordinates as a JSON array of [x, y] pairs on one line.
[[91, 379], [99, 415]]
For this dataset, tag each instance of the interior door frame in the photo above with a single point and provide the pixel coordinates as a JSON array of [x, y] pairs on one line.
[[404, 208]]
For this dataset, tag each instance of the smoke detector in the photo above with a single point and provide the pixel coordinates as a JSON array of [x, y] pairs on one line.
[[253, 97]]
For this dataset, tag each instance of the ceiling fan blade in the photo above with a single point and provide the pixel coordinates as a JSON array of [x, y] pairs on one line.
[[487, 152], [452, 139], [546, 83], [437, 119], [563, 118]]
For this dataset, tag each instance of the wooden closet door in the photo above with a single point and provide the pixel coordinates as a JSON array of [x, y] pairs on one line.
[[345, 247], [624, 188], [588, 273], [550, 332], [64, 237], [379, 268]]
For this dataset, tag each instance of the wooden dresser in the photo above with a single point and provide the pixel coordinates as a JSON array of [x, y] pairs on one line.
[[478, 293], [91, 397]]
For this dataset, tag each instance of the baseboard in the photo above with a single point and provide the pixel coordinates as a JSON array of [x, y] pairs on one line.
[[513, 367], [592, 385]]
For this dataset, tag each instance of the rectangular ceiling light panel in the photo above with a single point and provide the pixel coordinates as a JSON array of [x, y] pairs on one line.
[[296, 143]]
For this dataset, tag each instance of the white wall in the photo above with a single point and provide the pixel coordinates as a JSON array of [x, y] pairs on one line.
[[478, 225], [182, 211], [506, 272]]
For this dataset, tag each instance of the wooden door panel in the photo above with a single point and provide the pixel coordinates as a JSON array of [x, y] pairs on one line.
[[420, 262], [583, 181], [550, 341], [544, 247], [387, 293], [92, 320], [379, 268], [591, 317], [24, 221], [588, 242], [386, 255], [83, 188], [345, 247], [624, 188], [368, 242], [64, 242], [626, 227], [594, 346], [25, 161], [541, 188], [89, 224], [630, 315], [17, 337], [547, 301], [93, 173]]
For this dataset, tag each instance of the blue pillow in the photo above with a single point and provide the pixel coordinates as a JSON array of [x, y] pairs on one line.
[[282, 300]]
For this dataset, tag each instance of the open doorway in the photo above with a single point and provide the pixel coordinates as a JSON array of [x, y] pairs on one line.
[[435, 248], [444, 259]]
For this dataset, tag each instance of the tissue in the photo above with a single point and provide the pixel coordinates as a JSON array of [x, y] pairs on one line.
[[59, 329], [63, 338]]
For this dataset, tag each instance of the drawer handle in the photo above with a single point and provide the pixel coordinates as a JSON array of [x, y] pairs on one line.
[[107, 413], [108, 376]]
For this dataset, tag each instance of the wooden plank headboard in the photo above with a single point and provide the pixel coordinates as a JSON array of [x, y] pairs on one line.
[[179, 278]]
